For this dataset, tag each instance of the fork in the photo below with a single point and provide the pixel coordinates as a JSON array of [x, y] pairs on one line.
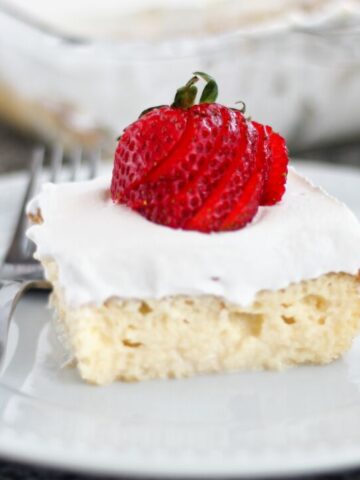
[[20, 271]]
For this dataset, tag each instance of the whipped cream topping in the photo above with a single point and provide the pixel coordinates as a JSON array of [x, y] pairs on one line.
[[104, 250]]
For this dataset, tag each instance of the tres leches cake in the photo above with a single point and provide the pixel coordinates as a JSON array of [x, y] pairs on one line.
[[193, 258]]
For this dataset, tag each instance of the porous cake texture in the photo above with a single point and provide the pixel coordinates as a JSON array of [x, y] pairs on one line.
[[312, 322]]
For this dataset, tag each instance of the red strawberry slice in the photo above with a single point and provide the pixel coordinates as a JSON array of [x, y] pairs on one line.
[[228, 191], [232, 138], [277, 171], [201, 137], [263, 154], [248, 205], [143, 144], [249, 202]]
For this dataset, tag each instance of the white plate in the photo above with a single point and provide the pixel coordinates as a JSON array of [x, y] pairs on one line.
[[248, 424]]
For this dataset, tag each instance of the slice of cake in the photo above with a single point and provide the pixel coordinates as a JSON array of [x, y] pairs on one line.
[[195, 261], [138, 300]]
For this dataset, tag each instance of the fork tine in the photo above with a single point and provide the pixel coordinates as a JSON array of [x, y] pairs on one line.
[[56, 162], [94, 160], [19, 241], [75, 162]]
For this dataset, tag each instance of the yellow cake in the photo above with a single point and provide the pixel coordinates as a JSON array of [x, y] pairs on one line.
[[136, 300]]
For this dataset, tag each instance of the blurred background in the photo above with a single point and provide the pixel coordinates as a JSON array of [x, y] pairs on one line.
[[76, 72]]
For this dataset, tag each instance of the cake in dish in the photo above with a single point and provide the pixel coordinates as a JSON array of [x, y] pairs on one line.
[[141, 290]]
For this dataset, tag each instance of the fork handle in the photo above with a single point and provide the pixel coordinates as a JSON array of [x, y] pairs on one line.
[[10, 293]]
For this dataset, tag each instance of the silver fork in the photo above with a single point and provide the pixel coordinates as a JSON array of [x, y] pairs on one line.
[[20, 271]]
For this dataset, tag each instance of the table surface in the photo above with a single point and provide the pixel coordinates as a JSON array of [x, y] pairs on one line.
[[15, 152]]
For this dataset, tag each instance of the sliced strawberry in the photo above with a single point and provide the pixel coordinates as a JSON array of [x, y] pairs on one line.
[[143, 144], [184, 204], [277, 171], [248, 205], [215, 167], [201, 138], [229, 189], [199, 145], [263, 154], [198, 167], [249, 201]]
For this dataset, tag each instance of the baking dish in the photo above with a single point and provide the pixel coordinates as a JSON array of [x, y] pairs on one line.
[[298, 72]]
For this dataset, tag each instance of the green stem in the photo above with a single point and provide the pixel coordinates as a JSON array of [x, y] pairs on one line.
[[211, 91], [186, 95], [242, 109]]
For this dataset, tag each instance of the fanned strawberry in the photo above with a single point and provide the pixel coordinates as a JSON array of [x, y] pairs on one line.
[[199, 167]]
